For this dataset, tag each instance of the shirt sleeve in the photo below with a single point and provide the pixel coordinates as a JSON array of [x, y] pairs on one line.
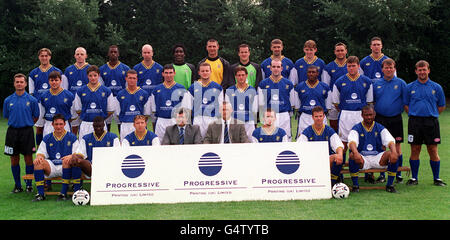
[[386, 137], [353, 136], [335, 142]]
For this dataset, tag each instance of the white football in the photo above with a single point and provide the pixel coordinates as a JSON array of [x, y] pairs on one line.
[[340, 190], [80, 197]]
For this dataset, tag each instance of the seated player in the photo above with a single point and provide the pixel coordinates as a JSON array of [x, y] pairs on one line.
[[141, 136], [269, 132], [82, 159], [318, 131], [53, 158], [366, 142]]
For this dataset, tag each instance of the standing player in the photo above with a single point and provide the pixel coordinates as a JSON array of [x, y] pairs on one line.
[[22, 111], [203, 99], [112, 74], [186, 73], [133, 101], [244, 100], [302, 64], [75, 78], [277, 93], [425, 100], [319, 131], [371, 65], [38, 83], [269, 132], [254, 76], [331, 73], [367, 141], [53, 158], [93, 100], [311, 93], [141, 136], [57, 100], [276, 46], [388, 94], [220, 68], [165, 100]]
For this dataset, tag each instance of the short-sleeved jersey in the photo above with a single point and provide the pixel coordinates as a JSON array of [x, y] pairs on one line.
[[301, 65], [217, 69], [372, 67], [370, 141], [167, 99], [114, 76], [92, 102], [423, 99], [276, 94], [132, 104], [149, 76], [260, 135], [54, 148], [57, 103], [311, 96], [147, 140], [203, 100], [20, 110], [332, 72], [89, 141], [76, 77], [388, 96], [243, 101], [352, 94], [287, 65], [327, 133], [38, 80], [184, 74]]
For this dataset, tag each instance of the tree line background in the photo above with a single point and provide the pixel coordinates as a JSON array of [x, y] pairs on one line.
[[411, 30]]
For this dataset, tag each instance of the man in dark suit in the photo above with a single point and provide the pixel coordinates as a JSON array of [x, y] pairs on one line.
[[226, 129], [182, 132]]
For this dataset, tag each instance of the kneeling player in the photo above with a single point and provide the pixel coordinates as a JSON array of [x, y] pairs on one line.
[[53, 158], [141, 136], [269, 132], [366, 141], [318, 131], [82, 159]]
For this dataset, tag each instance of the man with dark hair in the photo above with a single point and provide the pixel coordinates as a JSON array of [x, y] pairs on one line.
[[186, 73], [141, 136], [371, 65], [220, 68], [254, 73], [276, 47], [182, 132]]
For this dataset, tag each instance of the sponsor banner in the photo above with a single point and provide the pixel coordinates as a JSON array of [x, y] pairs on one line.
[[210, 173]]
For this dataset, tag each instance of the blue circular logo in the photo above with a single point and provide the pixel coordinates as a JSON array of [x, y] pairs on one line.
[[210, 164], [133, 166], [288, 162]]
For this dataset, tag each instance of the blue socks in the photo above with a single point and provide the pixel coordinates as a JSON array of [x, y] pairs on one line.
[[414, 164], [435, 167], [39, 179], [66, 176], [76, 176], [392, 172], [400, 163], [335, 172], [354, 171], [16, 175]]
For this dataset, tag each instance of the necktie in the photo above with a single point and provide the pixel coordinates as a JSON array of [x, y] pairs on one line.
[[181, 135], [226, 138]]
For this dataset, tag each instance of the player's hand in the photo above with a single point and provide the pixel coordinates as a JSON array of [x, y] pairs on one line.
[[67, 159], [338, 159]]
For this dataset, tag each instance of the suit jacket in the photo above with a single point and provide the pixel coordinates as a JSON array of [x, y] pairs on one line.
[[236, 132], [192, 135]]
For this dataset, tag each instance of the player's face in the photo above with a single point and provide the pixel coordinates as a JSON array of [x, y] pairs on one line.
[[318, 118], [368, 116], [147, 53], [58, 125], [269, 118], [168, 75], [80, 55], [312, 74], [276, 68], [276, 49], [179, 55], [310, 52], [140, 125], [181, 120], [422, 73], [340, 52], [93, 77], [352, 68], [113, 54], [241, 77], [244, 54], [376, 46], [55, 83], [388, 71], [98, 128], [212, 48], [131, 80], [204, 72], [20, 84], [44, 58]]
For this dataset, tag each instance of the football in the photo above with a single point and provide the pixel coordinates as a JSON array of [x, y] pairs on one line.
[[80, 197], [340, 190]]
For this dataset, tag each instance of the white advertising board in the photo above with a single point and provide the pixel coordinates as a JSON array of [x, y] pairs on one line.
[[210, 173]]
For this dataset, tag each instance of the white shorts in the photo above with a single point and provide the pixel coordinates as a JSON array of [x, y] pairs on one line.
[[86, 128], [373, 161], [76, 122], [161, 125], [113, 116], [348, 119], [48, 127], [40, 122], [203, 122], [305, 121], [333, 113], [55, 170], [284, 121], [125, 129]]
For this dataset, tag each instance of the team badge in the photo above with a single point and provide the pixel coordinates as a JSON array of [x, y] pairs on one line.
[[70, 73]]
